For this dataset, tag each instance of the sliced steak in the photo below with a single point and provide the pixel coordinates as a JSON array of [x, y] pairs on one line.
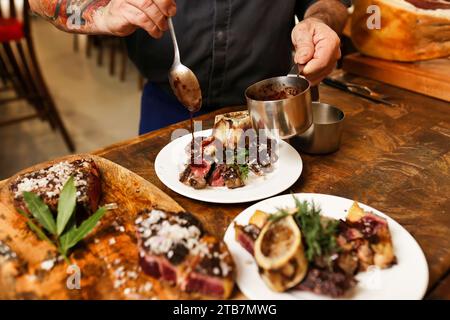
[[47, 183], [212, 271], [232, 177], [216, 178], [246, 236], [196, 175], [174, 248]]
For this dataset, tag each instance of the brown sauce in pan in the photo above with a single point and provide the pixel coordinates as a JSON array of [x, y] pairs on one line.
[[271, 92]]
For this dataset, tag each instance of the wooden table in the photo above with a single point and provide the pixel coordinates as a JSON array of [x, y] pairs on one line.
[[396, 159]]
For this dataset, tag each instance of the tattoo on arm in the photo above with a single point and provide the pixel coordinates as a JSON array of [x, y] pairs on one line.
[[332, 12], [70, 15]]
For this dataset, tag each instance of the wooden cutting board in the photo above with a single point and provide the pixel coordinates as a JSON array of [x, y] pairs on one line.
[[105, 252], [431, 78]]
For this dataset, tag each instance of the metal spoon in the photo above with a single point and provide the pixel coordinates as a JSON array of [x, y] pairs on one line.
[[183, 81]]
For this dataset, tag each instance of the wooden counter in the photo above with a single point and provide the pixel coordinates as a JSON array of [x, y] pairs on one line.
[[395, 159]]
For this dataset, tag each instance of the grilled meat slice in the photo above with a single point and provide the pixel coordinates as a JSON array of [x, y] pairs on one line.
[[212, 271], [174, 248], [226, 175], [246, 236], [368, 235], [216, 178], [47, 183], [232, 177], [196, 175]]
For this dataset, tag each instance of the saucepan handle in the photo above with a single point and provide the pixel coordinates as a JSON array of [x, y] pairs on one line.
[[297, 69], [315, 97]]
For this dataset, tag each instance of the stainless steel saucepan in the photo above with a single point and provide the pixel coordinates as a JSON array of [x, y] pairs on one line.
[[281, 104]]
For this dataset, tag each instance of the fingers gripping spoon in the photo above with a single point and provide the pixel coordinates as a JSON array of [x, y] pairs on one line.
[[183, 81]]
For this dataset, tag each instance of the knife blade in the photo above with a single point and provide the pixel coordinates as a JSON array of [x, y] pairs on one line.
[[344, 87]]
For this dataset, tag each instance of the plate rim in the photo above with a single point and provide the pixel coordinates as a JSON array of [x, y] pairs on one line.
[[223, 200], [229, 232]]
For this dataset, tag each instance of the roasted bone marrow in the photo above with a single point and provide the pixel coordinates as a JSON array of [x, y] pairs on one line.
[[362, 240]]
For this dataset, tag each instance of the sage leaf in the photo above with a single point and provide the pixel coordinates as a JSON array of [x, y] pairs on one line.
[[75, 235], [39, 232], [67, 240], [40, 211], [66, 205]]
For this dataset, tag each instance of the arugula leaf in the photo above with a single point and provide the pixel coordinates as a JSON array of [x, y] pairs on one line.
[[66, 205], [40, 211]]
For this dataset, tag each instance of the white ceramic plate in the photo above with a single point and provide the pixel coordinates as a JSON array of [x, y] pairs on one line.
[[408, 279], [170, 162]]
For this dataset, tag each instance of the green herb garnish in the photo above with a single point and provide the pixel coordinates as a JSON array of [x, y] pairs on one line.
[[242, 155], [63, 233], [318, 232], [244, 170]]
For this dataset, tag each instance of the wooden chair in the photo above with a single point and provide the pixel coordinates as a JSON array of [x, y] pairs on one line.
[[117, 54], [20, 71]]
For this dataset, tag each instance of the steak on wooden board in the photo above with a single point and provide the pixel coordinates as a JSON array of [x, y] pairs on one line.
[[175, 248], [47, 183]]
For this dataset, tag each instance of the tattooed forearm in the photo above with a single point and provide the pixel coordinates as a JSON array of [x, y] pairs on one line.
[[332, 12], [72, 15]]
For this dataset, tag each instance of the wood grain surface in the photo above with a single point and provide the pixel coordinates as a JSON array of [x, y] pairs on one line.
[[429, 77], [108, 257], [396, 159]]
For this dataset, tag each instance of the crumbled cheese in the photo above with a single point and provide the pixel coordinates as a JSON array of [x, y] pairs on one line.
[[138, 220], [127, 291], [112, 241], [118, 283], [160, 233], [49, 182], [132, 275], [146, 287], [6, 252], [226, 269], [48, 265], [160, 238]]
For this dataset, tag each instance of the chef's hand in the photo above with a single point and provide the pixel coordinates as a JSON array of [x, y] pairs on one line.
[[317, 46], [123, 17]]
